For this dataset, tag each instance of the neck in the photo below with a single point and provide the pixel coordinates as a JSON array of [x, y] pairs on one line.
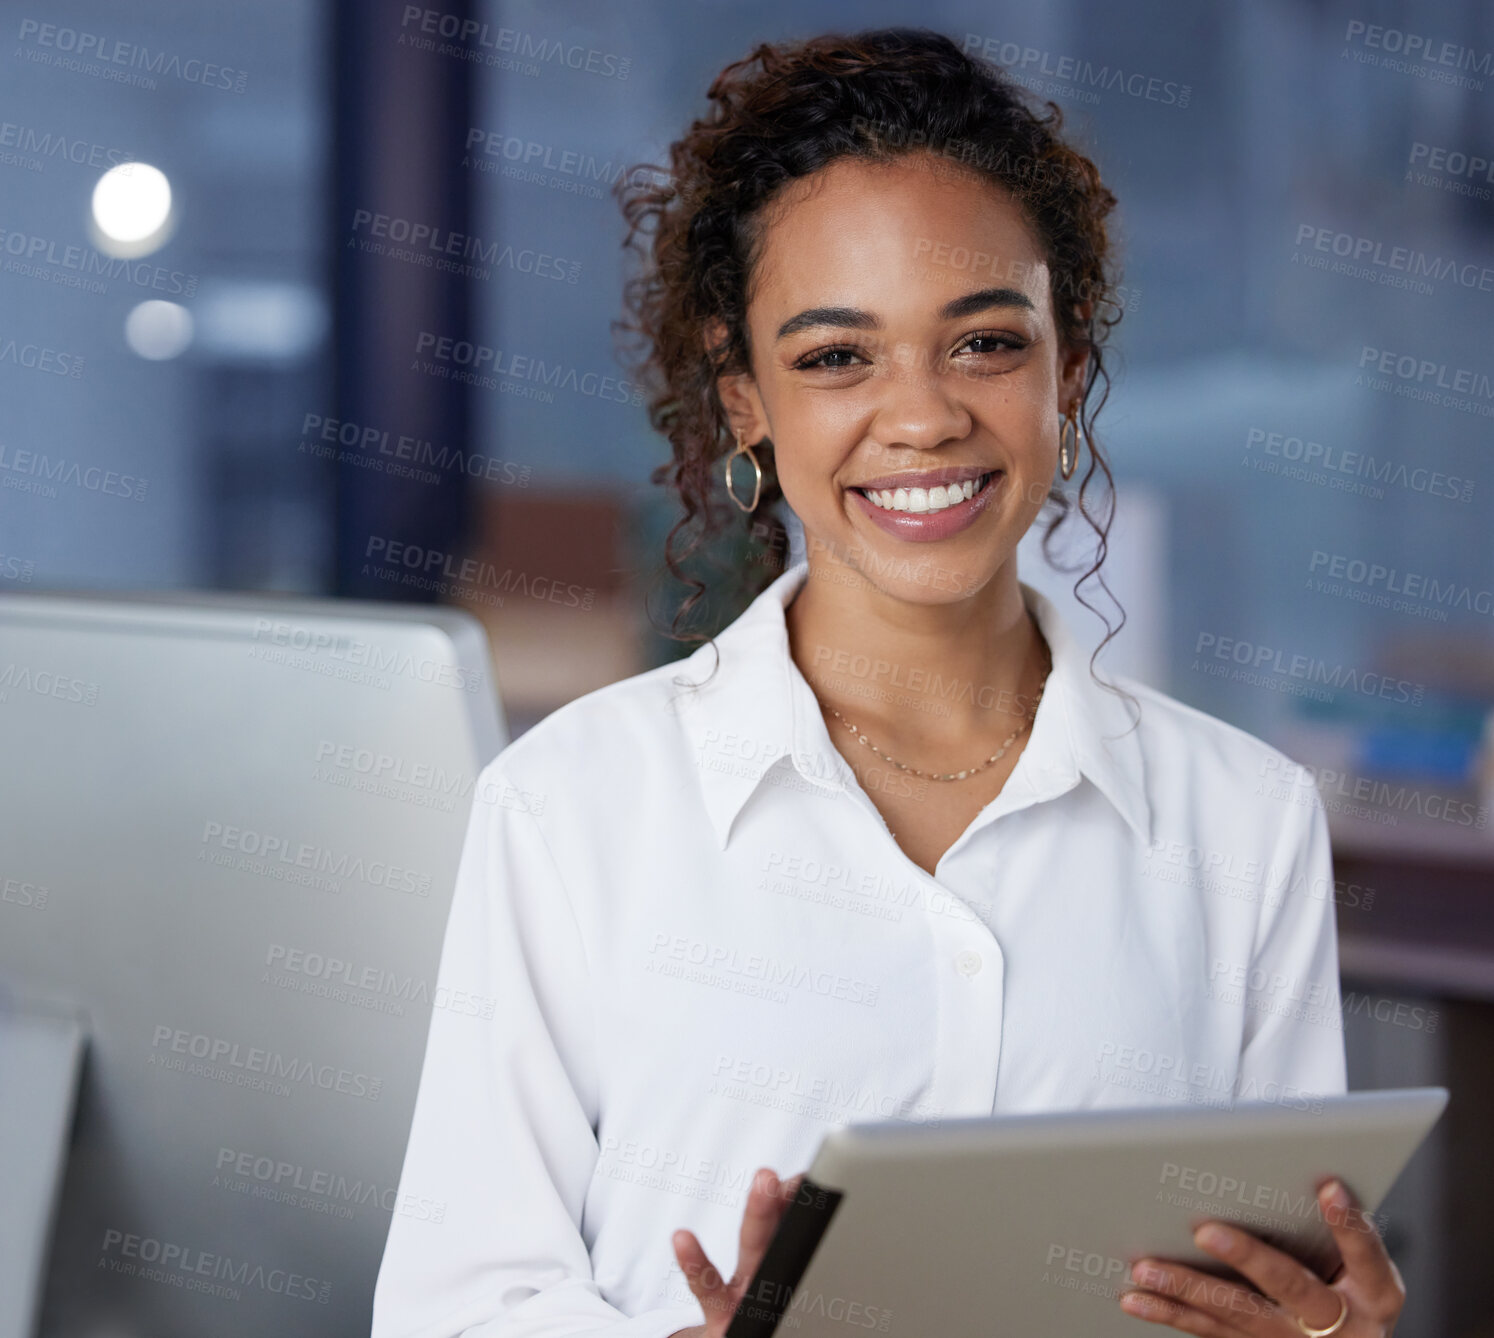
[[955, 671]]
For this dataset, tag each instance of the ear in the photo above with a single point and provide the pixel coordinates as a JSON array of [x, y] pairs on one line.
[[738, 394], [1073, 364]]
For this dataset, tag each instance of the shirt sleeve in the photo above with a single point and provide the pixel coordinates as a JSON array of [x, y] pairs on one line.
[[1294, 1040], [485, 1237]]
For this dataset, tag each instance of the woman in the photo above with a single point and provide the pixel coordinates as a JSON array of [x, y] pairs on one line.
[[885, 848]]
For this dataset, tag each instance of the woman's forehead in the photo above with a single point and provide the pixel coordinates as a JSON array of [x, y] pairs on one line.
[[865, 226]]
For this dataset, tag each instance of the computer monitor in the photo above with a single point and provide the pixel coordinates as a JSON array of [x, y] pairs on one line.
[[229, 831]]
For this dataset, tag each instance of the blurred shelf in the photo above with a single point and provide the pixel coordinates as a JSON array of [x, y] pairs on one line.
[[1413, 837], [1416, 924], [1442, 970]]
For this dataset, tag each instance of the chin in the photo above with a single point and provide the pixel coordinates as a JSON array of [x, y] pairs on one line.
[[913, 573]]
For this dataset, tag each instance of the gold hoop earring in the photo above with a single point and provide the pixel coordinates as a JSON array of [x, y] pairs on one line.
[[1070, 441], [757, 487]]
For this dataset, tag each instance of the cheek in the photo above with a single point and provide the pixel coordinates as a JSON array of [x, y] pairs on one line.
[[808, 486], [808, 455], [1027, 431], [1023, 403]]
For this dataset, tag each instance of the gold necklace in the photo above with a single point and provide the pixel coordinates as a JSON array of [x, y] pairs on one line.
[[952, 775]]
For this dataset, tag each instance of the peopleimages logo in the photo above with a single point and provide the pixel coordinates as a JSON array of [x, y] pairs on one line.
[[280, 642], [1454, 162], [1269, 659], [35, 472], [573, 170], [1317, 1001], [1335, 460], [192, 1269], [46, 683], [253, 1066], [470, 576], [1407, 367], [1282, 778], [361, 439], [1416, 53], [339, 973], [1229, 871], [269, 852], [13, 568], [1375, 576], [39, 358], [432, 246], [1409, 377], [462, 359], [31, 145], [78, 50], [505, 46], [83, 267], [322, 1191], [1087, 78], [1391, 264]]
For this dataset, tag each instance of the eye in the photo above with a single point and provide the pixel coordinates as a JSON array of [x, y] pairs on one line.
[[995, 342], [823, 358]]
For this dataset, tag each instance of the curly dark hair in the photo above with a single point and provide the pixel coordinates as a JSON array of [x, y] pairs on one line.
[[785, 111]]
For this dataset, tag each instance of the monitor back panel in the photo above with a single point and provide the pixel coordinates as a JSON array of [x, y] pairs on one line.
[[230, 834]]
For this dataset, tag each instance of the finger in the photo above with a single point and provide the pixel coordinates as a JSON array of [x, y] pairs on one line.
[[1162, 1310], [1237, 1308], [704, 1278], [1292, 1285], [759, 1222], [788, 1191], [1358, 1238]]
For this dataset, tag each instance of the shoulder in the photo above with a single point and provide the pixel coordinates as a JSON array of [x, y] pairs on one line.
[[1182, 736], [1215, 785]]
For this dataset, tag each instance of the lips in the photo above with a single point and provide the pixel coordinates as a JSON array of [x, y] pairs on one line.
[[932, 522]]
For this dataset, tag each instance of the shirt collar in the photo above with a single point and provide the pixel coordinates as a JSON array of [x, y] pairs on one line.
[[757, 709]]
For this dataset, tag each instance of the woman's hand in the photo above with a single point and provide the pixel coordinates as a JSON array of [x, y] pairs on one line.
[[1364, 1300], [767, 1200]]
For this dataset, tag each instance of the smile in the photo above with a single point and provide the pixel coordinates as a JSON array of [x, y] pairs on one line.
[[926, 499], [927, 515]]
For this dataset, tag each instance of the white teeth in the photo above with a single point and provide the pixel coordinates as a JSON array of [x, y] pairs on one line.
[[927, 499]]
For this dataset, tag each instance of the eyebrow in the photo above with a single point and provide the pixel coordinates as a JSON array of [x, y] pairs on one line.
[[854, 318]]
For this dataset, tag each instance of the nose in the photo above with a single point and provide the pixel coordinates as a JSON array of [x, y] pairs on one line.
[[920, 406]]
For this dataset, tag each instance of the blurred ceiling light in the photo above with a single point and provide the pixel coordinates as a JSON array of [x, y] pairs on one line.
[[158, 330], [132, 214], [259, 320]]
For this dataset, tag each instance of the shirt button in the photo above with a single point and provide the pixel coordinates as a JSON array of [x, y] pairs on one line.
[[968, 963]]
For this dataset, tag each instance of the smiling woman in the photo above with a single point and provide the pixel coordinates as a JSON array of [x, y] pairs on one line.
[[1031, 248], [884, 848], [857, 230]]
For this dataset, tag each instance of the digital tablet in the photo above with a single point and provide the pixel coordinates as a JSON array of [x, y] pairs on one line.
[[1027, 1226]]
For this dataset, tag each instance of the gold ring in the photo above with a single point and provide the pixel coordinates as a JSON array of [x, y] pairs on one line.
[[1343, 1314]]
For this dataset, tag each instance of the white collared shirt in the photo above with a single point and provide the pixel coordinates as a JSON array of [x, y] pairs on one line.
[[693, 946]]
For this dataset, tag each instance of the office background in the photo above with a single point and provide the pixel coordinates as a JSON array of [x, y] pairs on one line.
[[292, 389]]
